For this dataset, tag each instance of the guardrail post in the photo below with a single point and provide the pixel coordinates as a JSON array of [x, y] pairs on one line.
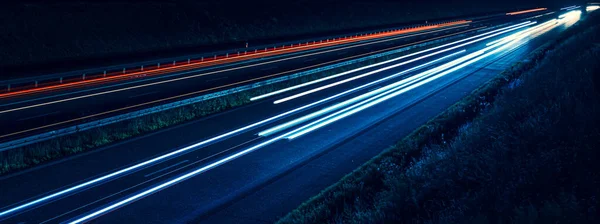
[[202, 59], [173, 63], [36, 84], [216, 56], [123, 70], [83, 78], [8, 87], [188, 60], [158, 66], [104, 73], [60, 80], [227, 55], [142, 68]]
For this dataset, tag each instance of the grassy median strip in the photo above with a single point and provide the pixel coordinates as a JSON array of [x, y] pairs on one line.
[[34, 154], [521, 148]]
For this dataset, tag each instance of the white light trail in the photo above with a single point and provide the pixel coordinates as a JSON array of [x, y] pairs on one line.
[[518, 35], [389, 67], [397, 91], [343, 113], [351, 101], [504, 39], [571, 14], [354, 78], [382, 63], [591, 8], [266, 133]]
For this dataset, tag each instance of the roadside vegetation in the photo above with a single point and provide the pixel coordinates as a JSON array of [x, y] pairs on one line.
[[520, 149], [27, 156], [46, 33]]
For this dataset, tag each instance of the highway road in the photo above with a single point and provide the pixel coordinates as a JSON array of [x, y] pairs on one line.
[[259, 161], [25, 115], [40, 112]]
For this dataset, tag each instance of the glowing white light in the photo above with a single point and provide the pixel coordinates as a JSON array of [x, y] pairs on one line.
[[379, 70], [508, 38], [368, 102], [326, 110], [382, 63], [570, 14], [518, 35], [356, 77], [373, 101], [352, 110], [591, 8]]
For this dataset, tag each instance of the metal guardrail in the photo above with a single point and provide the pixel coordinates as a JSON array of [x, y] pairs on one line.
[[106, 121], [33, 82]]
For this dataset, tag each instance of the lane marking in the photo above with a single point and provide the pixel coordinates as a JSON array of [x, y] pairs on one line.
[[216, 79], [36, 116], [269, 68], [143, 94], [166, 168], [310, 59]]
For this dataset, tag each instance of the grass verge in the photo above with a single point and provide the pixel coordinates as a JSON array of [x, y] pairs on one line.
[[518, 149], [38, 153]]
